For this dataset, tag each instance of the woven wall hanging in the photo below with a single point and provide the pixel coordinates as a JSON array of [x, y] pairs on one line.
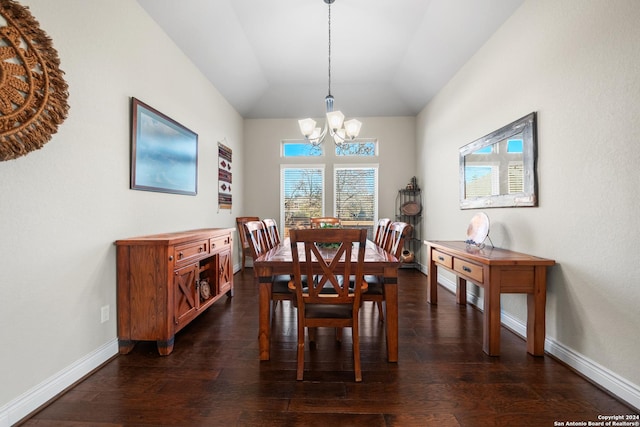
[[33, 93]]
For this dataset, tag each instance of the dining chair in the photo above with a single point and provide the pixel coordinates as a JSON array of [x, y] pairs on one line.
[[397, 233], [244, 244], [319, 222], [381, 231], [272, 233], [258, 244], [327, 300]]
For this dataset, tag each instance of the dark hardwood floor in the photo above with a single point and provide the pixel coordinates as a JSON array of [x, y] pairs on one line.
[[214, 377]]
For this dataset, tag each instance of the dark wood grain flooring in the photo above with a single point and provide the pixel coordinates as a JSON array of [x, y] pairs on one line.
[[214, 377]]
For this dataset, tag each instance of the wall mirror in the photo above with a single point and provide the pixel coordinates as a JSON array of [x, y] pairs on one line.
[[499, 169]]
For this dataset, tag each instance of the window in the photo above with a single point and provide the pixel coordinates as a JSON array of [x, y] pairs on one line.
[[356, 196], [516, 177], [514, 146], [357, 148], [300, 149], [481, 180], [302, 195], [305, 192]]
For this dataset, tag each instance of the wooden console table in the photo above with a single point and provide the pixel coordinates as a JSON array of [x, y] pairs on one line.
[[498, 271], [167, 280]]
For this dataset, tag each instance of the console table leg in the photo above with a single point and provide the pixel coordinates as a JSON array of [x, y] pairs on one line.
[[165, 347], [125, 346], [536, 303], [432, 290], [491, 326], [461, 291]]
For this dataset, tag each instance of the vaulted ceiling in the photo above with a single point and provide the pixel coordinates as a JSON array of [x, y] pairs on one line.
[[269, 59]]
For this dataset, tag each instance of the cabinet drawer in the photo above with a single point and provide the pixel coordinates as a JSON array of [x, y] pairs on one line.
[[468, 269], [442, 258], [220, 242], [192, 251]]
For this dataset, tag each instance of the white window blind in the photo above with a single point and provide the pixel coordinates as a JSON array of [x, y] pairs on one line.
[[356, 196], [516, 177], [302, 195]]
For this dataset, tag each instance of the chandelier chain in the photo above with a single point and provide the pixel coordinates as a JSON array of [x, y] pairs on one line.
[[329, 62], [335, 126]]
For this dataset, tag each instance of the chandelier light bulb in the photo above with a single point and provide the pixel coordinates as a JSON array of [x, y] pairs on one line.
[[307, 126], [352, 127], [335, 119]]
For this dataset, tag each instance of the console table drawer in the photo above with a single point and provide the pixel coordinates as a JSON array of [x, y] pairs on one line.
[[442, 258], [219, 243], [468, 269], [191, 251]]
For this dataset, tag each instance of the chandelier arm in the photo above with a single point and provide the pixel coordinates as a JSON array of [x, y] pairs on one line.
[[338, 139], [320, 139]]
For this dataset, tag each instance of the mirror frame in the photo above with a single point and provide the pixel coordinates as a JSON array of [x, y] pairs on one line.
[[529, 197]]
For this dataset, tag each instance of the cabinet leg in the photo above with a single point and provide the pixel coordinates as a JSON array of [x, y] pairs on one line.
[[125, 346], [165, 347]]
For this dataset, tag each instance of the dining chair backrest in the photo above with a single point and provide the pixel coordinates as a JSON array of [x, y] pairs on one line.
[[382, 228], [397, 234], [323, 248], [256, 237], [244, 244], [271, 229], [319, 222]]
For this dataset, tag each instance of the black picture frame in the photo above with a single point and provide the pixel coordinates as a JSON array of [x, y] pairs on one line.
[[164, 153]]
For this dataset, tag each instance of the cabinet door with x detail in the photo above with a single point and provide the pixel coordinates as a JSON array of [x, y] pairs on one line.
[[186, 300]]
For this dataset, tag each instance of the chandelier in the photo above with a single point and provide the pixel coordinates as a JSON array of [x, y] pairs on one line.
[[335, 125]]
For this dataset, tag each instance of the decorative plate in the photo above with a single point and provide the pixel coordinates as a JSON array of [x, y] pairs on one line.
[[478, 229], [411, 208], [205, 290]]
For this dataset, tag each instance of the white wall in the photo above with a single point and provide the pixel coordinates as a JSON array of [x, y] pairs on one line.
[[63, 206], [576, 64], [396, 139]]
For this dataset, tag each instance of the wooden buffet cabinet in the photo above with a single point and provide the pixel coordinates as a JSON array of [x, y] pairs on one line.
[[498, 271], [166, 280]]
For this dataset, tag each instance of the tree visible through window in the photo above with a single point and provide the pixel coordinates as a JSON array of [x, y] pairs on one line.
[[356, 196], [302, 195]]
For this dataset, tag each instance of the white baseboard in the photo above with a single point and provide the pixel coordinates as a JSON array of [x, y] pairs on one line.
[[618, 386], [31, 400]]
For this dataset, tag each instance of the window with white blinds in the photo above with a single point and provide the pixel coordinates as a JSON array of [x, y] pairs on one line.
[[481, 180], [516, 177], [302, 195], [356, 196]]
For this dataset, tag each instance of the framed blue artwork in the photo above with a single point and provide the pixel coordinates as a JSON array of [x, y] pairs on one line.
[[164, 154]]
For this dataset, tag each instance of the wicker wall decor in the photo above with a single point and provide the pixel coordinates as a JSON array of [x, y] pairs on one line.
[[33, 92]]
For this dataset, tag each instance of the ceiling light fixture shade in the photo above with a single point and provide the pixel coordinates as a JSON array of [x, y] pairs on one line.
[[334, 119]]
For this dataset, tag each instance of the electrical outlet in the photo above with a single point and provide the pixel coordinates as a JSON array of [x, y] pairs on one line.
[[104, 314]]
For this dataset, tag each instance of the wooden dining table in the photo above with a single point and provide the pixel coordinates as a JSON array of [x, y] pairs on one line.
[[279, 260]]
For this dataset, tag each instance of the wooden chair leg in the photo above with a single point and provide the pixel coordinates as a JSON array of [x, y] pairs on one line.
[[380, 311], [339, 335], [243, 260], [356, 352], [312, 334], [300, 369]]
